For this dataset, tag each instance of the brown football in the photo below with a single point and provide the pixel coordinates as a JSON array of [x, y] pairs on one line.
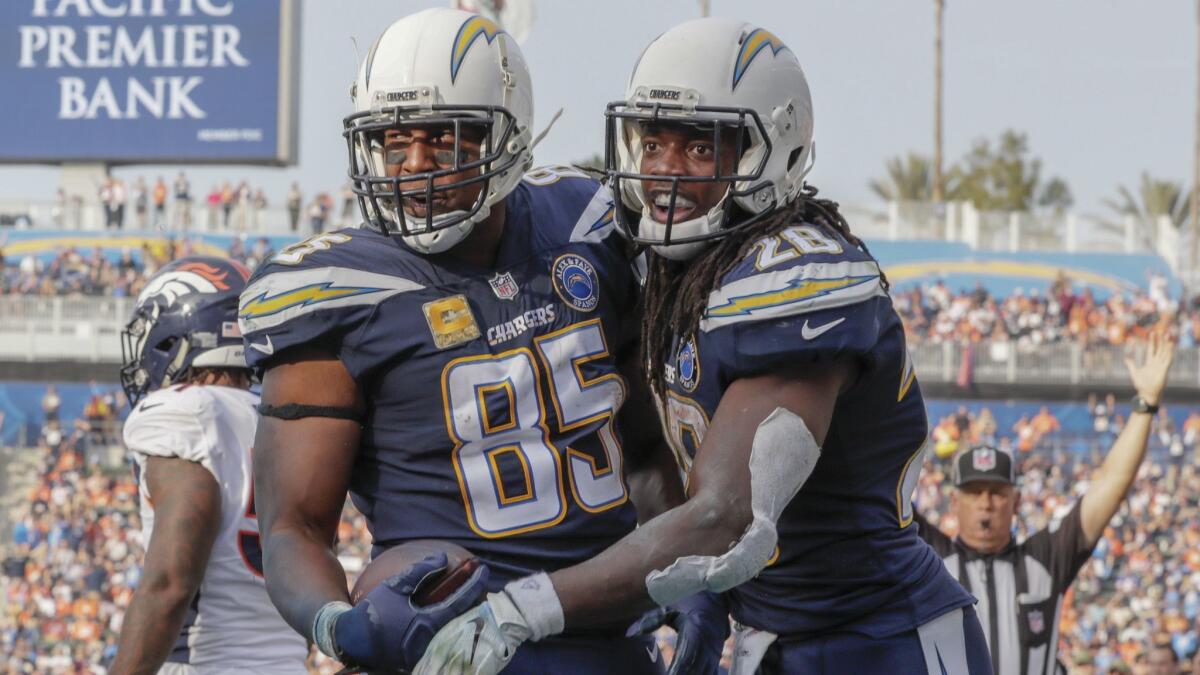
[[461, 564]]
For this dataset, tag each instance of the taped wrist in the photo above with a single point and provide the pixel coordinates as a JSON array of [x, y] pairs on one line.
[[296, 411], [322, 628], [528, 606]]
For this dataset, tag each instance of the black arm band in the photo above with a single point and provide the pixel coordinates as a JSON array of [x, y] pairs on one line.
[[295, 411]]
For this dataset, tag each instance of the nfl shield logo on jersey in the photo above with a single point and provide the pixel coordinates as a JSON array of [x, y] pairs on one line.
[[984, 459], [1037, 622], [504, 286]]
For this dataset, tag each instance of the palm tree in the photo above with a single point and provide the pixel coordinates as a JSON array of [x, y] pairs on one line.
[[1153, 198], [938, 181], [908, 179]]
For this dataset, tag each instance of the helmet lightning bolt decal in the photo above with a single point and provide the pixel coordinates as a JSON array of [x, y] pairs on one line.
[[755, 42], [471, 30]]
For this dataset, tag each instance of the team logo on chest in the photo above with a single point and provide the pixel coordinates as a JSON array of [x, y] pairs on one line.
[[576, 282], [687, 366], [504, 286], [450, 321]]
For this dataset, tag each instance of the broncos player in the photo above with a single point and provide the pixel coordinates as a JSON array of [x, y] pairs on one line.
[[453, 363], [201, 605], [784, 383]]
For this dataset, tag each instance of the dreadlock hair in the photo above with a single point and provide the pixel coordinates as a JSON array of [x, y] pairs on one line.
[[676, 293]]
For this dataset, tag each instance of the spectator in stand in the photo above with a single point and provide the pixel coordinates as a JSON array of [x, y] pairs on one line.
[[242, 201], [213, 203], [106, 202], [141, 203], [259, 205], [118, 197], [160, 203], [294, 201], [228, 197], [182, 217], [51, 403]]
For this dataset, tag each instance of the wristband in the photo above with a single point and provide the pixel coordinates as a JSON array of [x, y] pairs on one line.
[[1141, 405], [322, 628], [534, 600]]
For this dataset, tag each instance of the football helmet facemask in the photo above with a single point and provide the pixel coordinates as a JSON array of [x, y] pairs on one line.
[[732, 79], [439, 69]]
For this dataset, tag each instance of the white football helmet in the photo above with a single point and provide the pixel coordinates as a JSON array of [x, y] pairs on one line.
[[439, 66], [727, 76]]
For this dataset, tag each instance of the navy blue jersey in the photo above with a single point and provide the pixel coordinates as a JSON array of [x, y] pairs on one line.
[[848, 556], [491, 394]]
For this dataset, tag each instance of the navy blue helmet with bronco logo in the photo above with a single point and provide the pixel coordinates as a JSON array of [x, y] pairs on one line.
[[185, 317]]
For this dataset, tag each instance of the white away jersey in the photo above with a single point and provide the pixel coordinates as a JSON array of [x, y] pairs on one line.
[[232, 625]]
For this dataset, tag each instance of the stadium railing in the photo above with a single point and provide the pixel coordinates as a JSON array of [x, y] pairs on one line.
[[1049, 364], [36, 328]]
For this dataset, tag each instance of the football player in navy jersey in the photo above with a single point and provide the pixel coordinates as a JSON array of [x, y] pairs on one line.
[[783, 381], [455, 363]]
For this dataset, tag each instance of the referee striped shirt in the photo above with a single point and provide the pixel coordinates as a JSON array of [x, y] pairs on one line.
[[1020, 590]]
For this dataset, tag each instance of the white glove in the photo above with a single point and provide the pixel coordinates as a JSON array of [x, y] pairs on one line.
[[482, 640]]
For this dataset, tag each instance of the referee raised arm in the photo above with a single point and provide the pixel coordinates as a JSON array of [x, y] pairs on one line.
[[1020, 586]]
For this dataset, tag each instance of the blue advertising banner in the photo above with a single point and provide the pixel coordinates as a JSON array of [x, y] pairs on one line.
[[146, 80]]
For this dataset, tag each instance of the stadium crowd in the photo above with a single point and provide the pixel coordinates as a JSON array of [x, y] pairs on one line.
[[143, 204], [75, 273], [72, 560], [935, 314]]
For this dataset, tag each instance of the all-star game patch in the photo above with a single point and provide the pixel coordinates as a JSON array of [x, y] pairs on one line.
[[576, 282], [450, 321]]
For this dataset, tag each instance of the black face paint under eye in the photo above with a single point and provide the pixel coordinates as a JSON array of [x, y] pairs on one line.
[[395, 157], [445, 158]]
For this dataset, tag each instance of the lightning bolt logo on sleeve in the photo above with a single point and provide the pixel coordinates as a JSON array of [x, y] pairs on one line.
[[798, 290], [280, 297]]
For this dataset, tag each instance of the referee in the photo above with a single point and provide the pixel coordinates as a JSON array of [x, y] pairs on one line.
[[1020, 586]]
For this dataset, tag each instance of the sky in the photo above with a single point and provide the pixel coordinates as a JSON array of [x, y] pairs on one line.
[[1105, 90]]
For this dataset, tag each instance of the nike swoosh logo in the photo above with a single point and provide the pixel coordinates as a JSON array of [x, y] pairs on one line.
[[147, 406], [267, 349], [652, 652], [810, 333]]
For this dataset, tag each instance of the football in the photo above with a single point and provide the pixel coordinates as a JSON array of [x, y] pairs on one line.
[[461, 564]]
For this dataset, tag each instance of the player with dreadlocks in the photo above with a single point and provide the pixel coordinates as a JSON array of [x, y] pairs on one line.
[[784, 386]]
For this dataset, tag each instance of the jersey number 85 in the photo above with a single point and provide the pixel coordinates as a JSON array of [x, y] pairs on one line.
[[496, 413]]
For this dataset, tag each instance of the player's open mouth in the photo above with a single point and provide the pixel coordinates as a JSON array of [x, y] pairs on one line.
[[418, 206], [660, 206]]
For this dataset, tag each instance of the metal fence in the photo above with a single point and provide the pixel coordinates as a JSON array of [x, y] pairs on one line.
[[62, 329], [1053, 364]]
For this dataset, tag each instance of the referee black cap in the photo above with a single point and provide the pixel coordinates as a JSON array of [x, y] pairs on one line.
[[984, 462]]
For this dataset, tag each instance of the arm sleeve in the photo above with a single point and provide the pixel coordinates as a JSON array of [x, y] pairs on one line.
[[1063, 549]]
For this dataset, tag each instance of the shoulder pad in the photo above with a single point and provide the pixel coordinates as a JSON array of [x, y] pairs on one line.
[[171, 422], [280, 294], [790, 291], [579, 200]]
